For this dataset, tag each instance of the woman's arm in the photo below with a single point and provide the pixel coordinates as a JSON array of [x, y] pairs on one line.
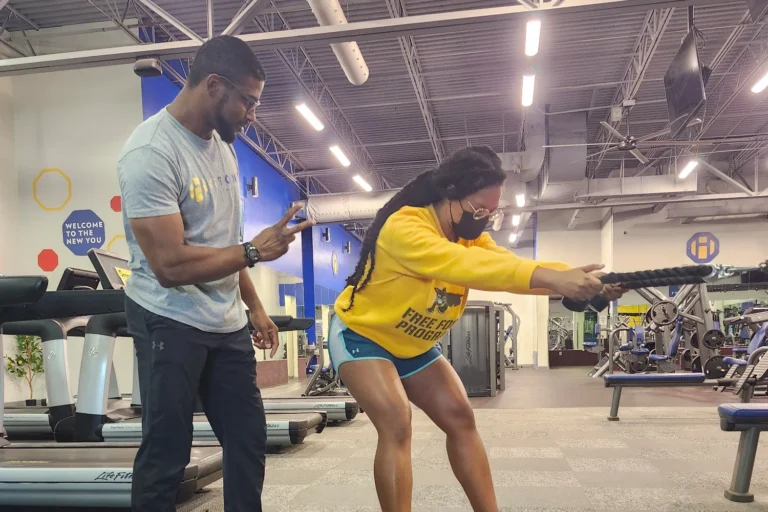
[[487, 242], [415, 244]]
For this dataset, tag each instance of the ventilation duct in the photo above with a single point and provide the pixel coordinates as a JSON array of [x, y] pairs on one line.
[[338, 208], [606, 188], [522, 167], [329, 12]]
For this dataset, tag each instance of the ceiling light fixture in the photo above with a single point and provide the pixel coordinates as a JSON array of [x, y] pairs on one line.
[[340, 156], [688, 169], [513, 238], [362, 183], [532, 34], [760, 85], [520, 200], [528, 83], [515, 220], [310, 116]]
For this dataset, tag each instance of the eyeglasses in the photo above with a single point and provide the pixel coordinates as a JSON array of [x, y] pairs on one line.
[[496, 216], [250, 102]]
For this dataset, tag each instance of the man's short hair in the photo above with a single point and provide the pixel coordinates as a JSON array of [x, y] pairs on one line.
[[227, 56]]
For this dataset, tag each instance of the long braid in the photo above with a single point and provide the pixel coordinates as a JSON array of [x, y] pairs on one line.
[[459, 175]]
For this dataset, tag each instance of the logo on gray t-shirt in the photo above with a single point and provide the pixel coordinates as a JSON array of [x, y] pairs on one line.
[[166, 169]]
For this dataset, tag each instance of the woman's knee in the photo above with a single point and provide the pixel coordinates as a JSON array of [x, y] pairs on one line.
[[457, 418], [395, 425]]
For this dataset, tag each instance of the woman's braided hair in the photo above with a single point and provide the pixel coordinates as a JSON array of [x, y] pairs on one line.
[[461, 174]]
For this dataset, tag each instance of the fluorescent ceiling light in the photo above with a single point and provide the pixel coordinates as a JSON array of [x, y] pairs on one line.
[[339, 154], [528, 82], [688, 169], [520, 200], [515, 220], [532, 33], [513, 238], [760, 85], [310, 116], [363, 184]]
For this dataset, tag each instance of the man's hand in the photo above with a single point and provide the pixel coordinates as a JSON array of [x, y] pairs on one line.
[[273, 242], [265, 334]]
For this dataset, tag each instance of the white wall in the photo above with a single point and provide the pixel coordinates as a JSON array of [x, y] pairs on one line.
[[76, 121], [650, 241], [606, 243]]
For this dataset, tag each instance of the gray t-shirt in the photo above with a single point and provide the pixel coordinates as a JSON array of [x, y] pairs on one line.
[[164, 169]]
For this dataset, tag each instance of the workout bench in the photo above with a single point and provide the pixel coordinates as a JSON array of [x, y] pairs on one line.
[[750, 420], [619, 381]]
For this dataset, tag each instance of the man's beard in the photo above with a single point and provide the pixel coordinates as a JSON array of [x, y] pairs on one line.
[[226, 131]]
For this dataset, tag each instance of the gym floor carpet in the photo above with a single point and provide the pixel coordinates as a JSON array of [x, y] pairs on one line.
[[550, 447]]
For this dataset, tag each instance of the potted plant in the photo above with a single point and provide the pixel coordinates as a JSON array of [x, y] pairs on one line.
[[27, 362]]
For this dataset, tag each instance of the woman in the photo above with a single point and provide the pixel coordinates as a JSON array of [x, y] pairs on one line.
[[423, 252]]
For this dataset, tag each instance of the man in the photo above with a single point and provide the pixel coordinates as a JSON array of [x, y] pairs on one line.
[[181, 208]]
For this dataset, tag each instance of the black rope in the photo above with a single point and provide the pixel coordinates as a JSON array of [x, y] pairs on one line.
[[692, 271]]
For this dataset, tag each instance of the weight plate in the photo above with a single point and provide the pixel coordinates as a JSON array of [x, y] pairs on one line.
[[689, 325], [715, 368], [663, 313], [714, 339], [695, 340], [638, 366], [686, 356], [696, 365]]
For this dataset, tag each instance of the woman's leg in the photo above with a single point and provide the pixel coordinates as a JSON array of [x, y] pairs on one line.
[[376, 386], [438, 391]]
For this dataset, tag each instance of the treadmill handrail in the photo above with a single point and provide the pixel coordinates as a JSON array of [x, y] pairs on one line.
[[286, 323], [15, 290], [66, 304]]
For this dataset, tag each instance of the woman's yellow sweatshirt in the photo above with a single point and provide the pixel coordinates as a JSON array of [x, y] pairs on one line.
[[421, 280]]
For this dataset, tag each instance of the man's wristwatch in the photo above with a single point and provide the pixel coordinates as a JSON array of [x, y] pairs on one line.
[[252, 255]]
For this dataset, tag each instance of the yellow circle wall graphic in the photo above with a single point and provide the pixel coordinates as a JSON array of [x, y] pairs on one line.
[[114, 239], [51, 170]]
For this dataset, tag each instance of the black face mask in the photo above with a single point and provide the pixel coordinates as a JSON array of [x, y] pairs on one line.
[[468, 227]]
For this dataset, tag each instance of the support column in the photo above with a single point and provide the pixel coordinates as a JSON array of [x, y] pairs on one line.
[[308, 275]]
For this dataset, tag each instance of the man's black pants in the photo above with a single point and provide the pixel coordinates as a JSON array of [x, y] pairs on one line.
[[176, 363]]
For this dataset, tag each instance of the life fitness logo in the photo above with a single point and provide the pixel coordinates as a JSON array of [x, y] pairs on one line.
[[334, 264], [703, 247]]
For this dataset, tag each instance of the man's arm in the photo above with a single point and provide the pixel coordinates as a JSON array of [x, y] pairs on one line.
[[175, 264], [248, 293], [148, 182]]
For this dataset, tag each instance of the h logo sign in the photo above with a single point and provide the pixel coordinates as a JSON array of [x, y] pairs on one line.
[[158, 346]]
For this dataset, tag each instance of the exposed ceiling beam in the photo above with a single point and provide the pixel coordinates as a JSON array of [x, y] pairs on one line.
[[3, 3], [152, 6], [654, 155], [718, 209], [244, 16], [616, 203], [574, 220], [11, 47], [258, 138], [720, 174], [22, 17], [485, 19], [322, 99], [654, 25], [410, 54]]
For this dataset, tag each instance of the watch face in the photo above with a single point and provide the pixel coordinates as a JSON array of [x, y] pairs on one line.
[[253, 254]]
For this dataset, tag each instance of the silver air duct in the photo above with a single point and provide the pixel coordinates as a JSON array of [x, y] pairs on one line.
[[329, 12], [338, 208], [521, 168]]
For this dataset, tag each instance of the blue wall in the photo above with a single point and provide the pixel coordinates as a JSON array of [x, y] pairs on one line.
[[275, 196]]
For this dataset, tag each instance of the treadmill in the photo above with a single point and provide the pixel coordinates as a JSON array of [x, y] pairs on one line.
[[110, 267], [77, 474], [25, 421]]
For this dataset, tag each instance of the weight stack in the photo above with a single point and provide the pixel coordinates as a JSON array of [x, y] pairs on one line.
[[474, 345]]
